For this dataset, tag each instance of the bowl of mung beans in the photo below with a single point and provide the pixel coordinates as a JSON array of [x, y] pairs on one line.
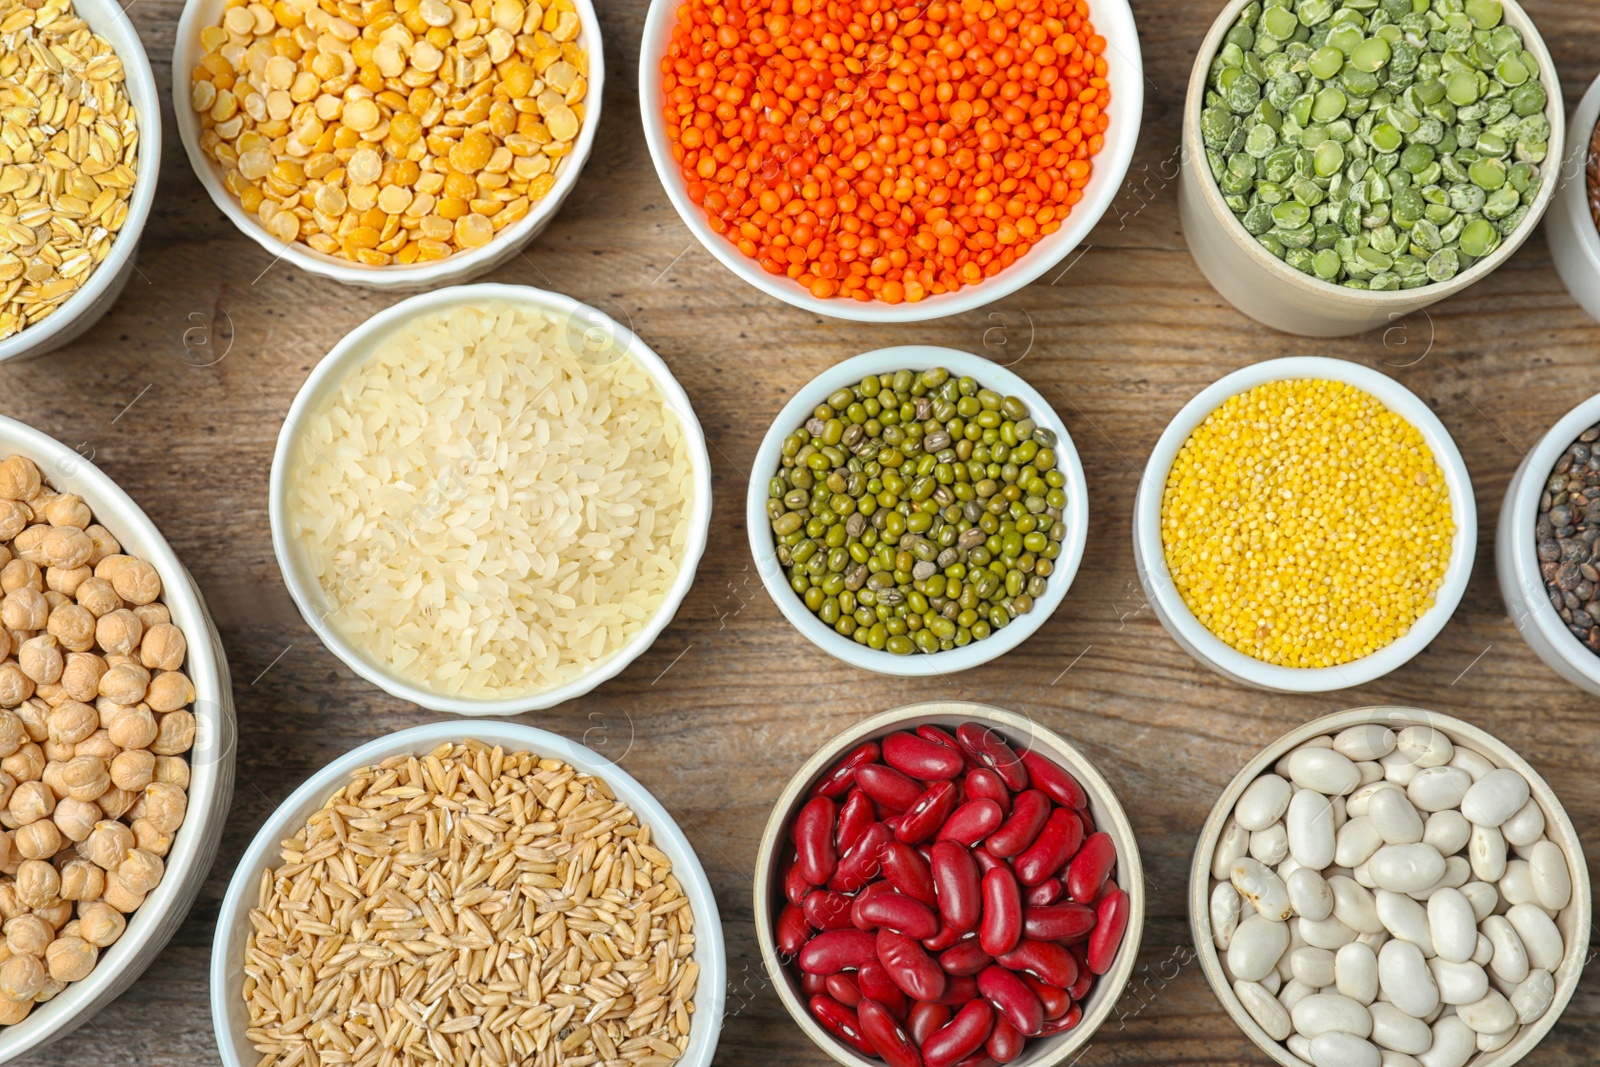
[[561, 913], [1304, 525], [405, 146], [917, 510], [65, 259], [1573, 224], [1347, 163]]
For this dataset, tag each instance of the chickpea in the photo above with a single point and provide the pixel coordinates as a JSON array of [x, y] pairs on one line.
[[30, 802], [141, 871], [153, 614], [65, 580], [28, 935], [72, 722], [80, 678], [20, 574], [52, 989], [13, 1012], [133, 770], [65, 546], [169, 691], [100, 924], [29, 546], [8, 786], [71, 958], [119, 896], [73, 627], [104, 543], [38, 840], [15, 685], [14, 516], [174, 734], [6, 642], [19, 479], [54, 777], [133, 728], [13, 734], [116, 802], [35, 716], [74, 818], [38, 884], [150, 839], [119, 632], [21, 978], [86, 777], [163, 647], [99, 744], [56, 914], [81, 880], [109, 565], [125, 684], [97, 597], [165, 805], [108, 844], [40, 659], [56, 752], [67, 509], [26, 764], [172, 770], [136, 581]]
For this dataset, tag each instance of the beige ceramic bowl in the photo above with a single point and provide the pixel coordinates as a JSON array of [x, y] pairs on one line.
[[1269, 290], [1573, 921], [1024, 734]]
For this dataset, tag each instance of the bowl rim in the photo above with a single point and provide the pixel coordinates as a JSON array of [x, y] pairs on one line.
[[1574, 185], [1400, 300], [1113, 20], [1110, 818], [710, 947], [915, 357], [1210, 649], [1480, 740], [194, 846], [146, 100], [1523, 504], [185, 47], [355, 347]]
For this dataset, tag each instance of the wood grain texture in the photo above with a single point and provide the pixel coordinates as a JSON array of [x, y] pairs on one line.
[[212, 340]]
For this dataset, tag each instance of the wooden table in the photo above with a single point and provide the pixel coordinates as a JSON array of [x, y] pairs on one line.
[[179, 392]]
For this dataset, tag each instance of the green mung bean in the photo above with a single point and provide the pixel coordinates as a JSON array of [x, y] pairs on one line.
[[1376, 144], [918, 512]]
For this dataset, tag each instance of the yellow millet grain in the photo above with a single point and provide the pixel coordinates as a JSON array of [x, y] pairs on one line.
[[1305, 524]]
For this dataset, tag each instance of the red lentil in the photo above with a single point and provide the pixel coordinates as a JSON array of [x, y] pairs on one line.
[[885, 153]]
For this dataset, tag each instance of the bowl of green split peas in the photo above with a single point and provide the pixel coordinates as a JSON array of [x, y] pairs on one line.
[[917, 510], [1348, 162]]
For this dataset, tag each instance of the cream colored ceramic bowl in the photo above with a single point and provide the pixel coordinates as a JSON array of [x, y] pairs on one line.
[[1023, 734], [211, 760], [1269, 290], [1570, 226], [1573, 921]]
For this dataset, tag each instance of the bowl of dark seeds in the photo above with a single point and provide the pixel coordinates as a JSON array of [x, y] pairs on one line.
[[1547, 547]]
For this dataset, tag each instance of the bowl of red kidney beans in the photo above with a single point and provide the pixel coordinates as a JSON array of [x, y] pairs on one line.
[[949, 884]]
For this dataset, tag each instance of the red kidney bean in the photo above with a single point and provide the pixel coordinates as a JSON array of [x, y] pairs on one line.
[[982, 783], [977, 1059], [838, 781], [1055, 1001], [1046, 892], [1029, 811], [813, 839], [908, 872], [826, 910], [1011, 998], [986, 746], [1088, 822], [959, 990], [1068, 1021], [863, 862], [1080, 989], [812, 984], [947, 936], [971, 822], [987, 862], [964, 958], [955, 878], [795, 887], [923, 819], [894, 792], [893, 1044], [925, 1018], [876, 889], [960, 1037], [843, 988], [1091, 867], [894, 911], [1045, 960], [1001, 926], [793, 931], [855, 815], [842, 1023], [910, 966], [1056, 783], [1111, 922], [921, 758], [1005, 1041], [1058, 922], [874, 981], [929, 732], [1055, 845], [838, 950]]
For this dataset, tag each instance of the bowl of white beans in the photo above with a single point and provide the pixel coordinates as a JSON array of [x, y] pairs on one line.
[[1395, 887]]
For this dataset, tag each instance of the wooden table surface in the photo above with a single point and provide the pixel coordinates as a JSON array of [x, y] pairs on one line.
[[178, 394]]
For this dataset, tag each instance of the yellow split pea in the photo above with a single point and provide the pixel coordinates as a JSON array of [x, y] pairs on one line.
[[1305, 524]]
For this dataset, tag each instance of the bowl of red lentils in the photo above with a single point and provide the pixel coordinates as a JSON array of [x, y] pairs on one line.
[[1305, 525], [891, 164], [400, 146]]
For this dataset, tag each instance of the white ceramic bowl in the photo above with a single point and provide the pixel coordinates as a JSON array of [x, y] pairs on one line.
[[453, 270], [228, 1017], [850, 372], [1516, 559], [1570, 225], [1269, 290], [211, 760], [1112, 19], [1023, 734], [89, 303], [1151, 561], [1573, 921], [356, 346]]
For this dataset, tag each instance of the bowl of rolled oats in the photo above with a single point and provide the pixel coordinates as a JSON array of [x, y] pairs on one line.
[[80, 148], [477, 895], [399, 145]]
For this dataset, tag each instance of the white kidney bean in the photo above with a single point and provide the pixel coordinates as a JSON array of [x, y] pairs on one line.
[[1453, 1044], [1292, 993], [1526, 826], [1406, 868], [1483, 952], [1447, 831], [1233, 843], [1510, 960], [1493, 1014], [1399, 768], [1355, 969], [1324, 770], [1357, 803], [1313, 966], [1264, 1009], [1496, 1042], [1272, 983], [1371, 771], [1329, 933], [1499, 795], [1309, 894], [1452, 925], [1340, 814], [1400, 1059], [1366, 741], [1404, 978], [1257, 945], [1342, 1050], [1354, 905], [1374, 941], [1323, 1013], [1358, 839], [1225, 907], [1393, 1029], [1424, 746], [1362, 875], [1483, 896], [1457, 873], [1552, 882], [1270, 846], [1395, 818], [1516, 885], [1533, 995], [1459, 983], [1406, 920], [1312, 840], [1281, 768], [1261, 888], [1539, 936], [1300, 1047], [1263, 802], [1472, 761], [1439, 788], [1487, 851]]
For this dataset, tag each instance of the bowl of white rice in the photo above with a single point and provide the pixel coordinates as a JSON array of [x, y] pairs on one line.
[[489, 499]]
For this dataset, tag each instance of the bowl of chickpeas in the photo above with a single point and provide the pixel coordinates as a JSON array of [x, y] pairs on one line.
[[116, 740], [402, 145]]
